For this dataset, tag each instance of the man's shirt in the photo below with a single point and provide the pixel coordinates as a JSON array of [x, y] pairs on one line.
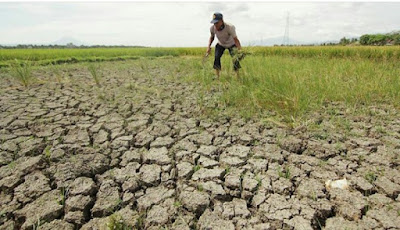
[[225, 36]]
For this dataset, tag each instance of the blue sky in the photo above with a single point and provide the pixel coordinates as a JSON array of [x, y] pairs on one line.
[[174, 24]]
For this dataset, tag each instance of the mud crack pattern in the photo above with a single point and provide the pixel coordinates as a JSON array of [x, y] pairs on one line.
[[75, 156]]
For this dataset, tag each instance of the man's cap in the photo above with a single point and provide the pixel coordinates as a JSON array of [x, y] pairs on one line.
[[216, 17]]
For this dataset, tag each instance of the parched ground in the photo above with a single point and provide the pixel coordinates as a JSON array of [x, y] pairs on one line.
[[138, 152]]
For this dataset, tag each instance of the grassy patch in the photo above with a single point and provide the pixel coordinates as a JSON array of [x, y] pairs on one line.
[[196, 168], [227, 170], [95, 72], [296, 86], [140, 220], [57, 72], [284, 172], [12, 165], [47, 152], [116, 222], [22, 72], [200, 188], [177, 204], [370, 177], [63, 195]]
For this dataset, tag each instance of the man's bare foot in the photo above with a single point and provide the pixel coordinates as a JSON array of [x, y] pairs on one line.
[[217, 73], [237, 74]]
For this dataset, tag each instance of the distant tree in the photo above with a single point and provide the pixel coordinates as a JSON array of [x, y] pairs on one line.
[[344, 41], [70, 45], [354, 40], [394, 37], [364, 39], [378, 39]]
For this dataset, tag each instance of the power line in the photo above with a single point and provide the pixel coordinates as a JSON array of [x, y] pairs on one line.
[[286, 36]]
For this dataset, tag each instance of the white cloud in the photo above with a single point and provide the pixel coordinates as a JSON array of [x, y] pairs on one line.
[[187, 23]]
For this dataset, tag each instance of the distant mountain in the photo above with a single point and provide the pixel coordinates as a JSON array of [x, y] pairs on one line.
[[9, 44], [62, 42], [65, 40], [271, 42]]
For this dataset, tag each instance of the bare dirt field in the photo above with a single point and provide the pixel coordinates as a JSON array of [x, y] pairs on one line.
[[138, 152]]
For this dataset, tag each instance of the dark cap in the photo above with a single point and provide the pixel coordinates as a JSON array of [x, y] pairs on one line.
[[216, 17]]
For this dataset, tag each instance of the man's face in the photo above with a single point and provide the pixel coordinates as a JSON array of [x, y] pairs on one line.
[[218, 24]]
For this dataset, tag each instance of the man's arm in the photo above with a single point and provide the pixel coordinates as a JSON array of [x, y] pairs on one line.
[[237, 43], [210, 41]]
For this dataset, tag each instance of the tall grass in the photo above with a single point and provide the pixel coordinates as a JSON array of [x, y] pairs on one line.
[[58, 56], [95, 72], [367, 52], [57, 72], [22, 72], [293, 86]]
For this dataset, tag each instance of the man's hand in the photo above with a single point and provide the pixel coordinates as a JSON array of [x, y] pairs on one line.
[[237, 43], [208, 50]]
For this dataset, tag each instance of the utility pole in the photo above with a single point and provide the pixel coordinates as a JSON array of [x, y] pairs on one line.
[[285, 41]]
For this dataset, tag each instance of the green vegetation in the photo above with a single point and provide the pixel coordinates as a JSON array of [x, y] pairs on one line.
[[392, 38], [227, 170], [313, 196], [95, 72], [47, 152], [288, 82], [140, 220], [328, 52], [63, 195], [177, 204], [12, 165], [57, 72], [200, 187], [370, 177], [285, 172], [116, 222], [196, 168], [22, 72], [259, 181], [293, 86], [37, 225], [59, 56]]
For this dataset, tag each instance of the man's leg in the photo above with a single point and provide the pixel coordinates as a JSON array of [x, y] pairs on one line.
[[217, 73], [219, 51]]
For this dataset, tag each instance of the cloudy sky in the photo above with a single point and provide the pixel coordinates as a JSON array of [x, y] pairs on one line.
[[186, 24]]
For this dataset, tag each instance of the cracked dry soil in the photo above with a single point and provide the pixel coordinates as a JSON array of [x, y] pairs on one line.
[[73, 156]]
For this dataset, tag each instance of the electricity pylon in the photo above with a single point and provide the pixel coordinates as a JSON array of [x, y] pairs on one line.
[[286, 36]]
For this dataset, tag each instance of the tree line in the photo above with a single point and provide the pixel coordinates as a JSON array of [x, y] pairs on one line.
[[392, 38], [67, 46]]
